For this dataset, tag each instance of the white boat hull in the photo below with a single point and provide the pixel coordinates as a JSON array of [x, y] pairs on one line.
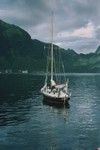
[[56, 101], [55, 98]]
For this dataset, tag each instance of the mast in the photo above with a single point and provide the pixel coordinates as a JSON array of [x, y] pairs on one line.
[[52, 46]]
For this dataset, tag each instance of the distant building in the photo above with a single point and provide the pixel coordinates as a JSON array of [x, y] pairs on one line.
[[8, 71], [25, 71]]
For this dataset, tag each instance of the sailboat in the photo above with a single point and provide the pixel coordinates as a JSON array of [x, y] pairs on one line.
[[54, 92]]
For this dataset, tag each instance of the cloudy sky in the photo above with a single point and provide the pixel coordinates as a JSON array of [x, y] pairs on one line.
[[76, 22]]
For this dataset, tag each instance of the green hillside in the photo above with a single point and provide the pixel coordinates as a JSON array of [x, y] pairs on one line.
[[19, 52]]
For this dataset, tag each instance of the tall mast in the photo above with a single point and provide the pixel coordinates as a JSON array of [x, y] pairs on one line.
[[52, 46]]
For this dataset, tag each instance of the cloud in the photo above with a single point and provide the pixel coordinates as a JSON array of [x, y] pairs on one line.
[[98, 33], [81, 45], [88, 31], [76, 22]]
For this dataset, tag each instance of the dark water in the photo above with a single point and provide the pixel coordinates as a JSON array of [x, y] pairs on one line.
[[27, 124]]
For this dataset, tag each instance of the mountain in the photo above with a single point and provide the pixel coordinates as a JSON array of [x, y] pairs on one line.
[[19, 52], [98, 50]]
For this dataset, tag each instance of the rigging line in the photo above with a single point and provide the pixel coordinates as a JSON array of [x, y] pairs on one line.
[[63, 68], [47, 67], [55, 67], [64, 72], [57, 64], [59, 60]]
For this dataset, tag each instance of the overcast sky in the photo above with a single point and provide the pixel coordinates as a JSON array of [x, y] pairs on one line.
[[76, 22]]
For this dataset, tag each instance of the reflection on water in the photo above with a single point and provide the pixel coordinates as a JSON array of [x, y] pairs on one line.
[[27, 123]]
